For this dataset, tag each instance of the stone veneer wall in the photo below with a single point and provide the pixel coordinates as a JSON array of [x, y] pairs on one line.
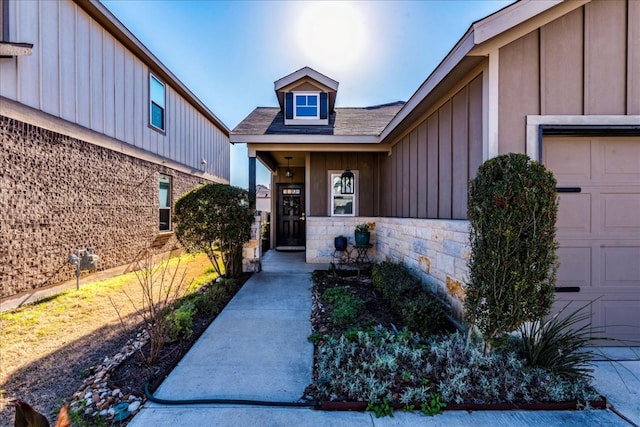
[[58, 194], [322, 230], [438, 250], [252, 250]]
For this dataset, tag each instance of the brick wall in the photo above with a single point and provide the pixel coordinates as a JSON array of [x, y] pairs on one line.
[[437, 250], [59, 193]]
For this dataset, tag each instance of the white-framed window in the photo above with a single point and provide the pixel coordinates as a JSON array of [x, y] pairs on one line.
[[306, 105], [157, 99], [165, 203], [342, 204]]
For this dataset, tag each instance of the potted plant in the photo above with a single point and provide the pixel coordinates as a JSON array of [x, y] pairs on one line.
[[363, 233], [340, 243]]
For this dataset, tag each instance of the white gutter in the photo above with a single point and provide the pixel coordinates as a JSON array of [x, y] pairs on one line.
[[304, 139]]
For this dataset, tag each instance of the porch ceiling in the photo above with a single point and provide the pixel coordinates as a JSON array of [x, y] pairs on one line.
[[274, 159]]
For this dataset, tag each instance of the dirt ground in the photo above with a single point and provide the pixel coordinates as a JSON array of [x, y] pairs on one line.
[[46, 354]]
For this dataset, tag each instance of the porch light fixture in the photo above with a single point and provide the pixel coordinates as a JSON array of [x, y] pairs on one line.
[[289, 172], [347, 180]]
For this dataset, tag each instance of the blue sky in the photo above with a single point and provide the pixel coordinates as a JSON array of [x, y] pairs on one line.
[[229, 53]]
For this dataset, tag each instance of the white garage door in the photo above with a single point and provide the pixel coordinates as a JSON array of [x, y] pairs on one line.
[[599, 228]]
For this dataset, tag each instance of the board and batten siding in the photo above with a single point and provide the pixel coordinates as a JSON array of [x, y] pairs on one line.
[[81, 73], [584, 63], [427, 173], [367, 181]]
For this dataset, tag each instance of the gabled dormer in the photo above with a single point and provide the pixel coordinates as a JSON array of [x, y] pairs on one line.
[[306, 97]]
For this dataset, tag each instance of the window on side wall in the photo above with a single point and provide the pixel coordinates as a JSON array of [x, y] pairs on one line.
[[157, 98], [342, 204], [165, 203]]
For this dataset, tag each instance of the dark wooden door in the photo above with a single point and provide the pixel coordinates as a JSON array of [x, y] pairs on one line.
[[291, 215]]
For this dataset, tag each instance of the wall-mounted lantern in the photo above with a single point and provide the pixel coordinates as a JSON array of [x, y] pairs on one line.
[[347, 181]]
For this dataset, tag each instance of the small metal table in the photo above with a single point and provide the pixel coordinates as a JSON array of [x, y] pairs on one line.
[[362, 257]]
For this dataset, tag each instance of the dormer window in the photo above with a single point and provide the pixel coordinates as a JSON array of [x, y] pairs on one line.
[[306, 97], [306, 106]]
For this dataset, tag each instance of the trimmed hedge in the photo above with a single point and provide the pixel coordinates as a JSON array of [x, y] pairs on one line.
[[422, 311], [512, 272]]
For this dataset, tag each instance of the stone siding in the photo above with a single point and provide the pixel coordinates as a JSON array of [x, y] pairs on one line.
[[252, 250], [437, 250], [321, 232], [58, 194]]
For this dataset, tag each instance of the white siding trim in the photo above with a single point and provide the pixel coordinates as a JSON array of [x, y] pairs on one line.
[[504, 20], [491, 111], [304, 139], [307, 183], [534, 122]]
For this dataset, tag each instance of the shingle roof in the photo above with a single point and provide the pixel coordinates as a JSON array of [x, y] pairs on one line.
[[366, 121]]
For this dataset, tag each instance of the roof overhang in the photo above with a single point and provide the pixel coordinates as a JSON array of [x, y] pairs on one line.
[[482, 37], [304, 139], [517, 20], [269, 154], [302, 73]]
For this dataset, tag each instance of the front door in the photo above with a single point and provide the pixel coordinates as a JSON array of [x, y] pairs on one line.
[[290, 220]]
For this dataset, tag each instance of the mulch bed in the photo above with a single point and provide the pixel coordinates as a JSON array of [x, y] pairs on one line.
[[378, 312]]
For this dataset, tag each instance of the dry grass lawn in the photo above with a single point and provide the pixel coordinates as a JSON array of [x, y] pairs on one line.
[[46, 348]]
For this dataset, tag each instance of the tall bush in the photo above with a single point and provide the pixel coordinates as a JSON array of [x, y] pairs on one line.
[[512, 209], [215, 219]]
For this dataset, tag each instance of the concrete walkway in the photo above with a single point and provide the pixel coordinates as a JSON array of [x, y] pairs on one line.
[[257, 349]]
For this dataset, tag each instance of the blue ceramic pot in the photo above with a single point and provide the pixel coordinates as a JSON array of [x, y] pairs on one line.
[[362, 237]]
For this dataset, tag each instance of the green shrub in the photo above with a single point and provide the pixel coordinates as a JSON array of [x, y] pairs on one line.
[[434, 406], [315, 337], [335, 295], [206, 303], [215, 219], [346, 307], [512, 209], [181, 321], [213, 296], [382, 409], [424, 314], [420, 309]]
